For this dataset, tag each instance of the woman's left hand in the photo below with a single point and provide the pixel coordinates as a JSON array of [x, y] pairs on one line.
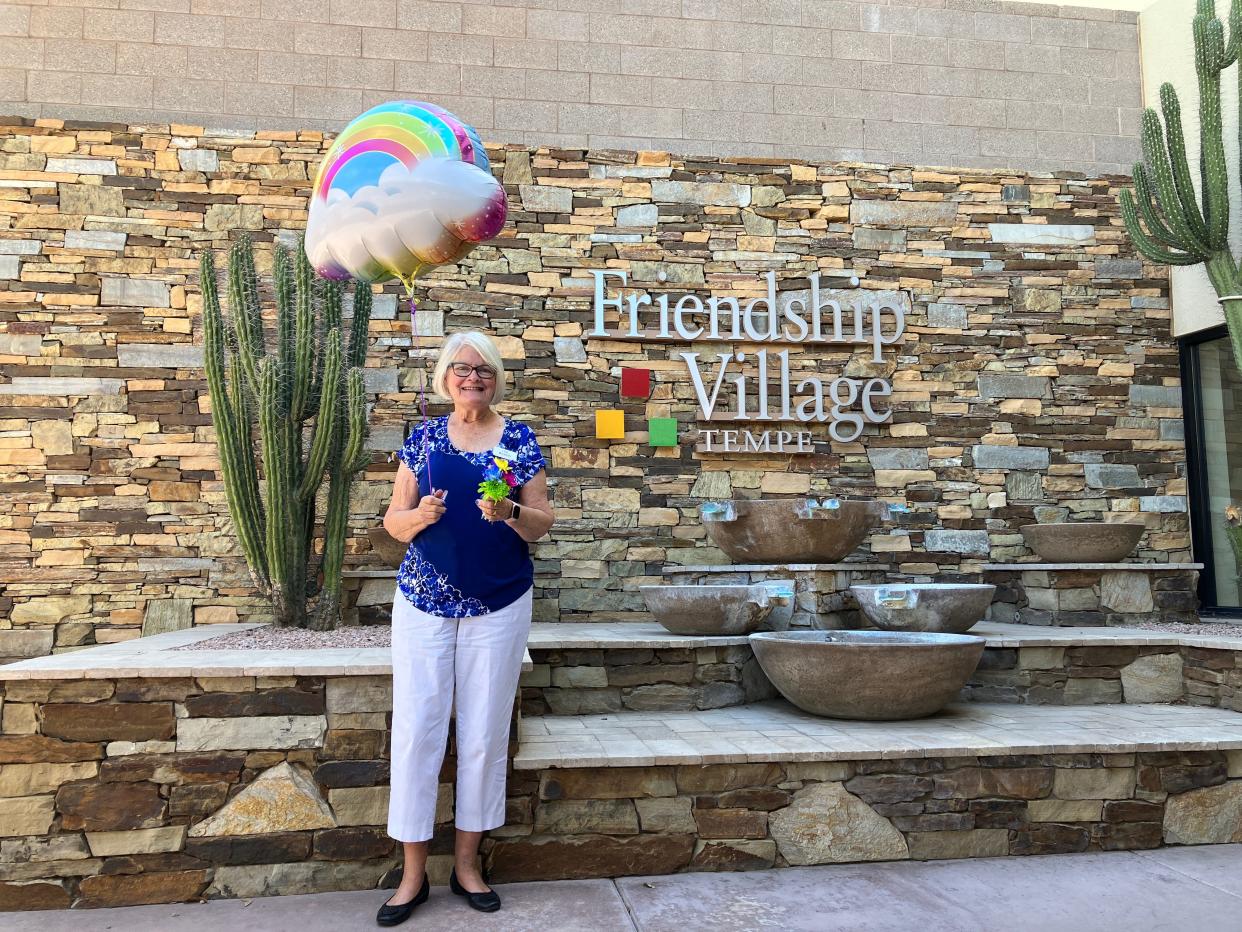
[[496, 511]]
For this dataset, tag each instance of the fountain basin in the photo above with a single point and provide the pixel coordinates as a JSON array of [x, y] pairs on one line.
[[789, 530], [868, 675], [714, 610], [1083, 542], [944, 607], [390, 550]]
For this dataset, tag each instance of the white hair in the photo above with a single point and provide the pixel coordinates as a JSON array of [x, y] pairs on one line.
[[482, 344]]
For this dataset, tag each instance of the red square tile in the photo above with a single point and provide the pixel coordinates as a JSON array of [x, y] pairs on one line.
[[635, 383]]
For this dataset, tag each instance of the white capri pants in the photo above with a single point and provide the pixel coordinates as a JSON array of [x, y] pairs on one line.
[[473, 663]]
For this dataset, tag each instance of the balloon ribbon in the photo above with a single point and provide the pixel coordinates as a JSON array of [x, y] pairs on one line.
[[422, 385]]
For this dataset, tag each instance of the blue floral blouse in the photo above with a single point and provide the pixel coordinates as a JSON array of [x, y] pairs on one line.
[[464, 565]]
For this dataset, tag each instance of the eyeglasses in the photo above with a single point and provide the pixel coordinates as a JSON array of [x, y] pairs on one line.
[[463, 369]]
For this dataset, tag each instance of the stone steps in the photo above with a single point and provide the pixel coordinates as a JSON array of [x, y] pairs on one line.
[[767, 785], [759, 783], [599, 795]]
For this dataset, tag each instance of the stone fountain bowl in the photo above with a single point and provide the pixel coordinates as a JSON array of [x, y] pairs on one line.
[[391, 550], [1083, 542], [714, 610], [789, 530], [944, 607], [869, 675]]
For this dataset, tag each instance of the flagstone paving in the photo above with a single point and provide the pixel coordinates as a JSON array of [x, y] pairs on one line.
[[777, 731]]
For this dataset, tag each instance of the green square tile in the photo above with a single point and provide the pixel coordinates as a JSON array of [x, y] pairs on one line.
[[662, 431]]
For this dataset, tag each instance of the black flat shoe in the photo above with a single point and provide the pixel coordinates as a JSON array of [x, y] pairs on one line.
[[395, 915], [487, 902]]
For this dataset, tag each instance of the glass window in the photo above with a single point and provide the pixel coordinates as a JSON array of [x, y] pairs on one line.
[[1220, 394]]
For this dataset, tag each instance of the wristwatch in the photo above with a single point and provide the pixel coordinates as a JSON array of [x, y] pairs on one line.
[[517, 511]]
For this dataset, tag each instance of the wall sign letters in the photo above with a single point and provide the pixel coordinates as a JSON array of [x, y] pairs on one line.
[[759, 386]]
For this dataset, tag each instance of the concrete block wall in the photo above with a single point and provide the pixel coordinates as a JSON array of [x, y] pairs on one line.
[[973, 83]]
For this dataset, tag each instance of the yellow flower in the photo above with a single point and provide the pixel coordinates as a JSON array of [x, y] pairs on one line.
[[503, 464], [1233, 515]]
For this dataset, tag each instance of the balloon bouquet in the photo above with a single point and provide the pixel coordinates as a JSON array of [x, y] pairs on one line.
[[405, 188]]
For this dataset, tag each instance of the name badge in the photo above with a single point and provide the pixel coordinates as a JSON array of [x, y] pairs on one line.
[[502, 453]]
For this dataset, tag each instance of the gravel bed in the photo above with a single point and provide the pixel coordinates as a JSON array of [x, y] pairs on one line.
[[272, 638], [1225, 629]]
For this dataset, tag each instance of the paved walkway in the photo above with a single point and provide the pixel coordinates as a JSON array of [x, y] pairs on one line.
[[1172, 889]]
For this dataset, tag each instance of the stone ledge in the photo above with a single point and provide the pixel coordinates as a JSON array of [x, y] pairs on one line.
[[775, 731], [154, 657], [626, 634], [1001, 634], [629, 634], [1123, 567], [670, 568]]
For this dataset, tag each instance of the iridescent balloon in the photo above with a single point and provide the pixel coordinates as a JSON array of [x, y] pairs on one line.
[[405, 187]]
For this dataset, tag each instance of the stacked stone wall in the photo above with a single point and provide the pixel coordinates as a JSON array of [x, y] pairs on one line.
[[1213, 678], [589, 681], [1036, 379], [652, 820], [121, 791], [593, 682], [1100, 675], [1077, 597]]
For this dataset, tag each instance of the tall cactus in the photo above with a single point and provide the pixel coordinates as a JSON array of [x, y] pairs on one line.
[[1166, 218], [306, 407]]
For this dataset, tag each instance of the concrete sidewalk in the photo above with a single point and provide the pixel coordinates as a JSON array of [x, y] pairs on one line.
[[1175, 889]]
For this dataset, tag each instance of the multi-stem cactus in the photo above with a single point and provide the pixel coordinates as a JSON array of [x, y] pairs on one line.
[[306, 405], [1174, 229]]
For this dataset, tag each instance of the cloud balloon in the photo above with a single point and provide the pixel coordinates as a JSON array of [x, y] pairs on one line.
[[406, 187]]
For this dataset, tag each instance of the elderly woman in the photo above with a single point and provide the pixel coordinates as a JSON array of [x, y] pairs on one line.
[[461, 614]]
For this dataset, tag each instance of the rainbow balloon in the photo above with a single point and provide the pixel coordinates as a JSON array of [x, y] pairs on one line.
[[404, 188], [404, 131]]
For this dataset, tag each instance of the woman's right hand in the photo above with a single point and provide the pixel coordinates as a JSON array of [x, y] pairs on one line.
[[431, 507], [409, 513]]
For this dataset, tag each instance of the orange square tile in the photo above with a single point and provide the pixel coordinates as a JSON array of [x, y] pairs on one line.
[[610, 425]]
